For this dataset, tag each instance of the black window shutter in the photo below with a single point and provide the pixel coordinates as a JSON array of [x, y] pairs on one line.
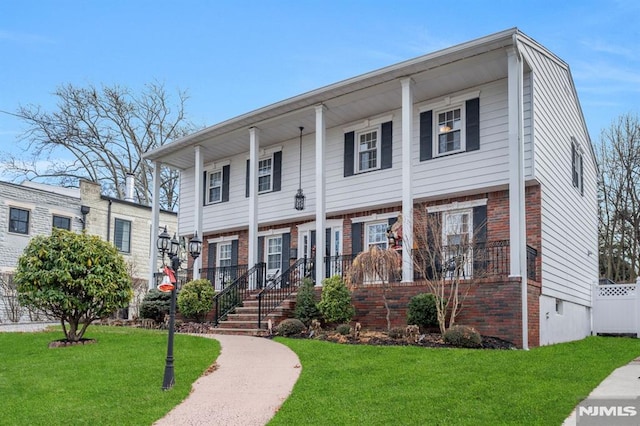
[[356, 238], [479, 240], [260, 249], [277, 171], [247, 180], [387, 145], [349, 151], [426, 135], [286, 250], [313, 240], [473, 124], [574, 174], [234, 252], [327, 252], [581, 176], [226, 173], [205, 187], [211, 261], [433, 256]]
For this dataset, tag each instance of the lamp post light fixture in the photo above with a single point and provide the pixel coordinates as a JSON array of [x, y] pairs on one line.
[[299, 197], [166, 244]]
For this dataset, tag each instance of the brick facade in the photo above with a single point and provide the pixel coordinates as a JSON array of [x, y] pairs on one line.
[[493, 306]]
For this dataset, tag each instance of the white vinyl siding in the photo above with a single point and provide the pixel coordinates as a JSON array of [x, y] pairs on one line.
[[569, 220]]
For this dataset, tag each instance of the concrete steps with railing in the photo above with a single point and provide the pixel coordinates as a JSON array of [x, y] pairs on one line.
[[244, 321]]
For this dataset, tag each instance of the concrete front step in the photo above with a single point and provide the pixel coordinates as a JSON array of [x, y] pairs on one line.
[[242, 331]]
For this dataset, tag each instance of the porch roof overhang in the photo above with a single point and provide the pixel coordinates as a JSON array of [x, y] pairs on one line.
[[455, 68]]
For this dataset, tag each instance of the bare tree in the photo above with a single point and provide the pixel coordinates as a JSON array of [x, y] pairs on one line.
[[101, 135], [443, 264], [9, 293], [619, 199], [376, 266]]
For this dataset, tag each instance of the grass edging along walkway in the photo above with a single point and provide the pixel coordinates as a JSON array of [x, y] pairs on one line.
[[373, 385], [115, 381]]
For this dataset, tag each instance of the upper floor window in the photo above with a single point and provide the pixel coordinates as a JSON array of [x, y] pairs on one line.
[[122, 235], [62, 222], [265, 174], [19, 220], [453, 126], [214, 187], [376, 235], [449, 131], [368, 150], [576, 166]]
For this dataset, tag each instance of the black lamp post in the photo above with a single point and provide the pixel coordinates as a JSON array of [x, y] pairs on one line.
[[164, 244]]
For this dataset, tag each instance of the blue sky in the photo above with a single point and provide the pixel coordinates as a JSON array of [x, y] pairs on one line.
[[235, 56]]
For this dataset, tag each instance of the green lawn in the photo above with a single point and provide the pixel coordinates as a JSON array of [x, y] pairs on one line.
[[116, 381], [369, 385]]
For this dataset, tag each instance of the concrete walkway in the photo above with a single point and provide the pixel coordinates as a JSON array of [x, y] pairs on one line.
[[253, 378], [622, 383]]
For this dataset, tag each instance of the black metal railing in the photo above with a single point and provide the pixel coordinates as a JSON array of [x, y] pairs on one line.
[[280, 287], [227, 300], [222, 276]]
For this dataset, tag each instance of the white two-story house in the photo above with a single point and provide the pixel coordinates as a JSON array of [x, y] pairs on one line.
[[487, 135]]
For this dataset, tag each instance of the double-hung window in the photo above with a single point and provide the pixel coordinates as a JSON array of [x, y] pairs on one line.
[[62, 222], [576, 166], [122, 235], [457, 238], [274, 254], [376, 235], [449, 131], [265, 173], [368, 150], [19, 220], [224, 255], [214, 187]]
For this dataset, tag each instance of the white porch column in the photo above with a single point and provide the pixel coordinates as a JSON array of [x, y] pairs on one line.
[[407, 188], [198, 194], [320, 194], [155, 223], [517, 220], [254, 151]]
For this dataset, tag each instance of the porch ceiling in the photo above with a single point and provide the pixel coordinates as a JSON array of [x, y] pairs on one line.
[[436, 75]]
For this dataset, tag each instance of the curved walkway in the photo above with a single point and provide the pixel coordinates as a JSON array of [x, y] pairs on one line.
[[254, 376]]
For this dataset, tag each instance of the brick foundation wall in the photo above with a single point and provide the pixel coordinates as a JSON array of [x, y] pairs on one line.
[[493, 308]]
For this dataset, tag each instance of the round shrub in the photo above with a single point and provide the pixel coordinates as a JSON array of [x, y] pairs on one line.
[[396, 333], [290, 327], [422, 310], [195, 300], [463, 336], [335, 302], [343, 329], [306, 305], [155, 305]]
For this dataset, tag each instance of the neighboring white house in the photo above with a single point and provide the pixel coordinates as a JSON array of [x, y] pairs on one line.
[[488, 135], [31, 209]]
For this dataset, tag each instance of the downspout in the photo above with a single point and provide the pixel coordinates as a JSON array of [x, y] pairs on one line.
[[109, 222]]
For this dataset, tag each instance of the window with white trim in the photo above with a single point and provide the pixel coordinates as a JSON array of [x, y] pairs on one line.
[[368, 150], [457, 238], [214, 187], [449, 133], [274, 253], [19, 220], [376, 235], [224, 254], [265, 175]]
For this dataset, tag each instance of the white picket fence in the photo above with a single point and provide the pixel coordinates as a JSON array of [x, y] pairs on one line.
[[616, 308]]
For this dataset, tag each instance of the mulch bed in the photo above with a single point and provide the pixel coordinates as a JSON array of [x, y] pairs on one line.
[[428, 340]]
